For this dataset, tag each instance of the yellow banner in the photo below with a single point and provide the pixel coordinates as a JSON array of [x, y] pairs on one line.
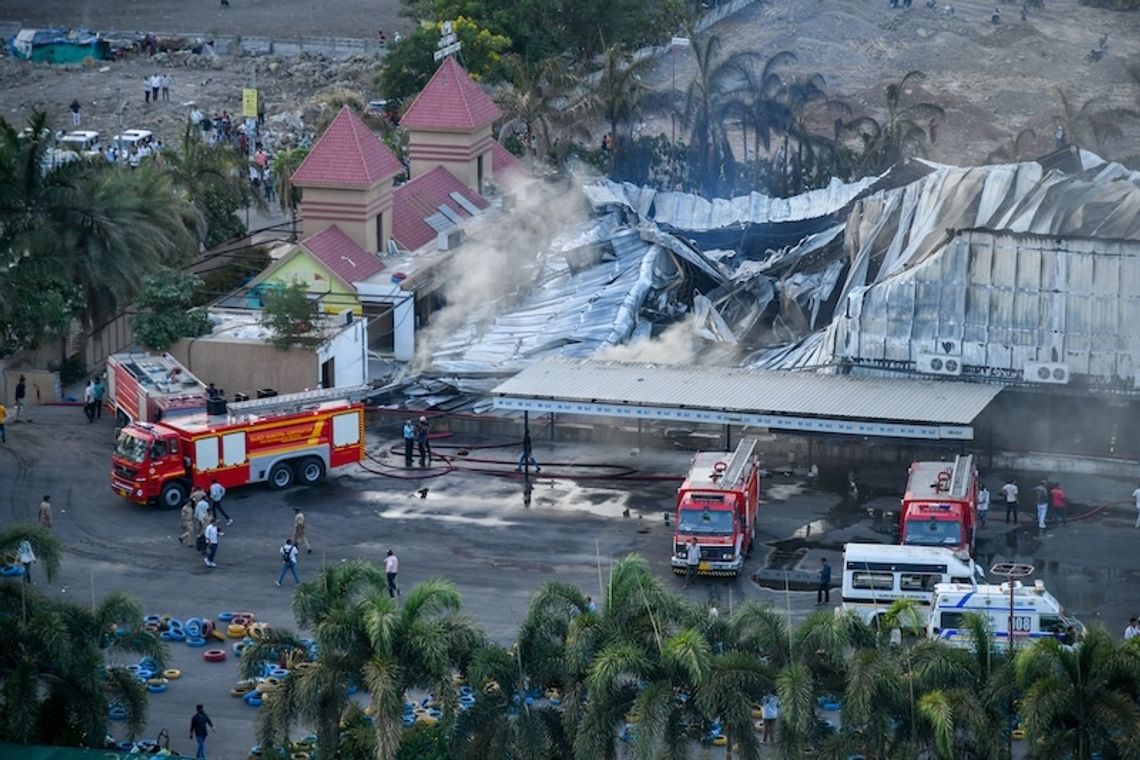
[[249, 102]]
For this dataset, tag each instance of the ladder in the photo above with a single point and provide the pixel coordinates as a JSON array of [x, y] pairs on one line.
[[294, 402], [960, 477]]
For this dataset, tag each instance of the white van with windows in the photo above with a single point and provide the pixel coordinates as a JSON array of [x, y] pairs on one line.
[[875, 575], [1036, 614]]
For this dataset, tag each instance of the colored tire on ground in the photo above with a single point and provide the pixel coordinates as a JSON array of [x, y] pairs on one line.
[[172, 674], [214, 655], [217, 635], [235, 631], [195, 642], [157, 688], [225, 617]]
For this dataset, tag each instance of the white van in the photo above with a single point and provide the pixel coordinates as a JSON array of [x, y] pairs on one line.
[[83, 141], [1036, 614], [875, 575], [133, 137]]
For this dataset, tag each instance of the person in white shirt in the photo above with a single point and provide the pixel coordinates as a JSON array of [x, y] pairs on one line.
[[391, 567], [1136, 496], [212, 534], [1009, 490], [217, 491], [983, 505], [1133, 629], [201, 516], [89, 400], [288, 562], [165, 79]]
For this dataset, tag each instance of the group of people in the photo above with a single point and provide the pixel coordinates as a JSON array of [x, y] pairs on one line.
[[1046, 494], [416, 437], [199, 519], [93, 396], [154, 86]]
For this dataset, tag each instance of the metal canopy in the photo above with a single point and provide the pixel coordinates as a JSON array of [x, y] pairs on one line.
[[799, 401]]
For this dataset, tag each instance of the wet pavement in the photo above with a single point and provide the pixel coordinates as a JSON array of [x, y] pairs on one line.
[[497, 536]]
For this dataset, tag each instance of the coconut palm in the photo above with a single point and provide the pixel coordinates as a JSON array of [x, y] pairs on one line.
[[47, 548], [1080, 700], [1013, 148], [363, 639], [710, 95], [1094, 124], [620, 97], [56, 683], [215, 180], [902, 132], [543, 103]]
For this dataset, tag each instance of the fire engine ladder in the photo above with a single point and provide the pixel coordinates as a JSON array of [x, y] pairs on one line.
[[739, 460], [960, 477], [295, 402]]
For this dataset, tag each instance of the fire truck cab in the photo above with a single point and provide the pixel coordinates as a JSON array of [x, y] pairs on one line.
[[940, 505], [279, 440], [717, 505]]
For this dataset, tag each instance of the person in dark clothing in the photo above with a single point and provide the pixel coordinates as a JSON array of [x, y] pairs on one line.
[[199, 731], [409, 443], [422, 442], [526, 456], [823, 595]]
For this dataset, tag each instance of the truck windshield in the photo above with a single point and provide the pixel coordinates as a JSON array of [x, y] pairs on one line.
[[933, 533], [129, 447], [704, 521]]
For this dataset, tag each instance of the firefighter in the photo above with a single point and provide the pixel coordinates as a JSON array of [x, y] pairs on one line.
[[422, 430], [299, 530]]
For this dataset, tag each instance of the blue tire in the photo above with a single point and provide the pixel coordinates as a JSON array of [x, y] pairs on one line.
[[225, 617], [156, 688], [195, 641]]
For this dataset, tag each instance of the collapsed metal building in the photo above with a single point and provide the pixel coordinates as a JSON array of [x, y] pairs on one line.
[[1026, 275]]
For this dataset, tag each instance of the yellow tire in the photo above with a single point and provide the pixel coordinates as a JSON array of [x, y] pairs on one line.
[[235, 631], [720, 741], [218, 635], [1018, 734], [426, 719], [757, 713], [156, 682], [172, 674], [236, 692]]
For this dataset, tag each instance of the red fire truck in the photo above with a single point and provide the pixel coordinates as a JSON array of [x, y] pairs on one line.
[[717, 505], [940, 507], [279, 440], [149, 388]]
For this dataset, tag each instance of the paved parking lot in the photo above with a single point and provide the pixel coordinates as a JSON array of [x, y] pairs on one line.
[[479, 531]]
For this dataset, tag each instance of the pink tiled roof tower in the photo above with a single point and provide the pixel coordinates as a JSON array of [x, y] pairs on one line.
[[451, 101], [348, 154]]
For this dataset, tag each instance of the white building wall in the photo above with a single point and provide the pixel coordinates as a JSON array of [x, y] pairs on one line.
[[349, 348]]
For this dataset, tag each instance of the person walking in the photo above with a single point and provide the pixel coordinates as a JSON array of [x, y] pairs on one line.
[[299, 532], [288, 562], [410, 443], [89, 400], [391, 568], [983, 504], [99, 391], [21, 394], [201, 518], [770, 711], [200, 727], [146, 90], [166, 87], [43, 517], [692, 560], [1009, 491], [1133, 629], [823, 594], [155, 86], [74, 108], [1057, 499], [25, 555], [211, 535], [186, 521], [217, 493], [1041, 494], [422, 441], [526, 457]]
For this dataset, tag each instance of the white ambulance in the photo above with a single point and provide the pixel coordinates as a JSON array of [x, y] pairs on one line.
[[875, 575], [1036, 614]]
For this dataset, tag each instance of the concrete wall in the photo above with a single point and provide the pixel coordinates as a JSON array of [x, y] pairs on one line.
[[246, 366], [458, 152], [42, 387], [349, 351], [353, 210]]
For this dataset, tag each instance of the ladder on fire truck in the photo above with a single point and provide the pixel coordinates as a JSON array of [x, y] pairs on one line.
[[288, 403], [959, 476], [740, 459]]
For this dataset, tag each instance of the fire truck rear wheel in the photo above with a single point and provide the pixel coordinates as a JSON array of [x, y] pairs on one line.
[[280, 476], [173, 495], [310, 471]]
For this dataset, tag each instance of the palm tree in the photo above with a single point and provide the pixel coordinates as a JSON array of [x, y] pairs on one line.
[[363, 639], [902, 132], [1080, 700], [816, 158], [215, 180], [47, 548], [1094, 124], [56, 684], [761, 108], [1014, 148], [543, 103], [620, 97], [709, 96], [286, 162]]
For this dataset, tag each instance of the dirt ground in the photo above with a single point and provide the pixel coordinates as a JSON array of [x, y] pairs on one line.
[[992, 80]]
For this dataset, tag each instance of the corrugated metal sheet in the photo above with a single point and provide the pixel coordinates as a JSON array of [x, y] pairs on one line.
[[736, 389]]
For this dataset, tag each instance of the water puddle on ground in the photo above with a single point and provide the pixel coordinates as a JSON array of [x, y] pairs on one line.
[[780, 491]]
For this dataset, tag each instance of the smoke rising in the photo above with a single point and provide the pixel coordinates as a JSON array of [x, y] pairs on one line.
[[499, 260]]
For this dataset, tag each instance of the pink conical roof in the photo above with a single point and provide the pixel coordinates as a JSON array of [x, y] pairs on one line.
[[348, 154], [451, 101]]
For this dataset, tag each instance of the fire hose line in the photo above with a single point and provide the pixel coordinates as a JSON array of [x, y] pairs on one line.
[[1097, 510]]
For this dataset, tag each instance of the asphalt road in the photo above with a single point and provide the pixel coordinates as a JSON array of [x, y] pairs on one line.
[[476, 530]]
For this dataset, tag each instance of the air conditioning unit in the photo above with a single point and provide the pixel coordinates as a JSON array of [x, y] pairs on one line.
[[934, 364], [1046, 372], [450, 240]]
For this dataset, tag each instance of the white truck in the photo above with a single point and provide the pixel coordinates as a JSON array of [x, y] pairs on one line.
[[1035, 614], [875, 575]]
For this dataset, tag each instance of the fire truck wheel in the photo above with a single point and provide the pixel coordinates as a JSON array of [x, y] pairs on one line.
[[280, 476], [310, 471], [173, 495]]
